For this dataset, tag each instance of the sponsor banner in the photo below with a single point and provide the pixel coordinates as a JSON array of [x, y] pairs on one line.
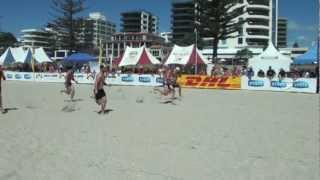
[[305, 85], [19, 76], [112, 79], [208, 82], [134, 80], [49, 77]]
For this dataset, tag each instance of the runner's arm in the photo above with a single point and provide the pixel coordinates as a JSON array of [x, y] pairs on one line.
[[96, 84], [74, 79]]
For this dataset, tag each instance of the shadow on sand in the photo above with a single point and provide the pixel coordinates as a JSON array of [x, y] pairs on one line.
[[75, 100], [168, 102], [7, 110], [105, 112]]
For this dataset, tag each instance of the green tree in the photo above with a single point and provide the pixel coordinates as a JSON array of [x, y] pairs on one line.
[[6, 40], [219, 19], [295, 45], [67, 22], [244, 54]]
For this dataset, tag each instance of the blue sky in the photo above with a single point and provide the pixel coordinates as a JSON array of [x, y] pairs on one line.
[[20, 14]]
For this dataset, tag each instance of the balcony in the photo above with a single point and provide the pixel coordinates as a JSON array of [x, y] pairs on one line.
[[258, 11], [257, 42], [258, 32], [257, 22], [259, 2]]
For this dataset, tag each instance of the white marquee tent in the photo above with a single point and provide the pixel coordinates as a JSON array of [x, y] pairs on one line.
[[270, 57], [19, 55], [41, 56], [7, 58], [188, 55], [137, 56]]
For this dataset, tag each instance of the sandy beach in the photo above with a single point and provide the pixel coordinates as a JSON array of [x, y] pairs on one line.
[[208, 135]]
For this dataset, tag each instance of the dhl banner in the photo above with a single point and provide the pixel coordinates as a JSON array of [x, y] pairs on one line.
[[208, 82]]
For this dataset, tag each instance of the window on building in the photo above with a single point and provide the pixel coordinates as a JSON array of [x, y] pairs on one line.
[[240, 41]]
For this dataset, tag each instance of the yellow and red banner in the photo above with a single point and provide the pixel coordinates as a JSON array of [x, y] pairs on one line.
[[208, 82]]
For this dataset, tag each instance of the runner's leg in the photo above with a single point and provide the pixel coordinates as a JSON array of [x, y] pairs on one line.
[[1, 106], [72, 92]]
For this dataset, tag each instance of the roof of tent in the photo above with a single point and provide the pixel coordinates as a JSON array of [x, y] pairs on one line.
[[309, 57], [7, 58], [41, 56], [270, 57], [137, 56], [19, 55], [81, 57], [186, 55]]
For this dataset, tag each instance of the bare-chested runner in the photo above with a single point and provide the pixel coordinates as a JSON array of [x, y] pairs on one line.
[[175, 83], [2, 77], [100, 94], [70, 90], [167, 85]]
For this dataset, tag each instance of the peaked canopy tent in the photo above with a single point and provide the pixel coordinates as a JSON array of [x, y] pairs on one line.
[[308, 58], [80, 58], [7, 58], [188, 55], [41, 56], [270, 57], [19, 55], [137, 56]]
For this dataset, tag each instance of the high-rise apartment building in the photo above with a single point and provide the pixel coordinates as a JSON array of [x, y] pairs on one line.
[[38, 38], [282, 33], [183, 19], [259, 29], [95, 29], [139, 22]]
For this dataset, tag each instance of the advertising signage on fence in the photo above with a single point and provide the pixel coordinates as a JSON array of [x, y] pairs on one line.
[[112, 79], [305, 85], [208, 82]]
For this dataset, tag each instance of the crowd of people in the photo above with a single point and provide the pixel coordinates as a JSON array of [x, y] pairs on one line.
[[271, 73]]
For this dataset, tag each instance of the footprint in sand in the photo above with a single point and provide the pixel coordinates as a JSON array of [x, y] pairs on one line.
[[140, 100], [69, 108]]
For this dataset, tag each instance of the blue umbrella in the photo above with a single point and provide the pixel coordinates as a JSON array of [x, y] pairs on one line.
[[80, 58]]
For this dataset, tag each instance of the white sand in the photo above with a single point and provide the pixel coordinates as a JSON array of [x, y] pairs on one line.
[[209, 135]]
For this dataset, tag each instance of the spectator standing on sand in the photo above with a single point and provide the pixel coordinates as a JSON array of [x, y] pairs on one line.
[[261, 73], [282, 74], [250, 73], [270, 73], [2, 77]]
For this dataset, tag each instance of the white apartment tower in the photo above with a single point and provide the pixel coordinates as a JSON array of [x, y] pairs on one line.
[[261, 24], [97, 28]]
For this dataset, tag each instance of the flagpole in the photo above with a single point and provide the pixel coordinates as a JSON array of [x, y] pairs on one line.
[[100, 52], [32, 58], [196, 66]]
